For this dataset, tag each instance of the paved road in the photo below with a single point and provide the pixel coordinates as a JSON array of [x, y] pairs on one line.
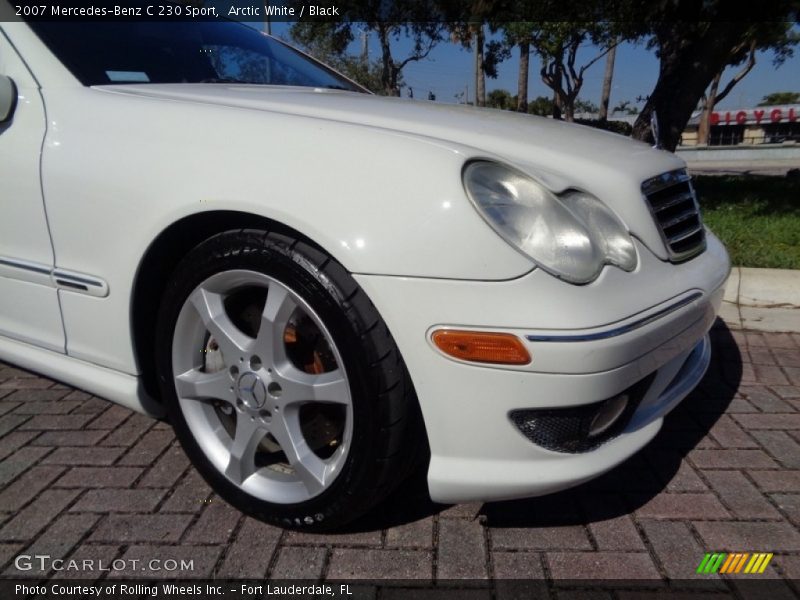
[[84, 479]]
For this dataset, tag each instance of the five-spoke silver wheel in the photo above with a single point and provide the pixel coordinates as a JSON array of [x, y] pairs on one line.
[[262, 386], [282, 382]]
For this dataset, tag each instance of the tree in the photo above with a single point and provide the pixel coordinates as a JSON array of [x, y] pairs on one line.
[[693, 43], [501, 99], [389, 21], [524, 68], [541, 105], [531, 26], [776, 98], [558, 43], [585, 106], [519, 34], [626, 107], [324, 40], [776, 36], [466, 25], [369, 74], [425, 35], [714, 96], [477, 36], [487, 56], [328, 42], [608, 76]]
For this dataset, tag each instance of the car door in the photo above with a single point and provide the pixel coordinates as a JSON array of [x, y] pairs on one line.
[[29, 309]]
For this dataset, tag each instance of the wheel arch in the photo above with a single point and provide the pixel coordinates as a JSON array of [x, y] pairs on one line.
[[160, 260]]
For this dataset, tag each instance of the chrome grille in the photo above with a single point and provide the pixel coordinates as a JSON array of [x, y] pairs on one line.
[[673, 203]]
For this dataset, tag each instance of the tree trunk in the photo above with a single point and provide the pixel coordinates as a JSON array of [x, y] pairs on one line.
[[364, 47], [395, 75], [607, 78], [568, 106], [715, 96], [704, 127], [522, 87], [386, 62], [557, 103], [480, 77], [685, 71]]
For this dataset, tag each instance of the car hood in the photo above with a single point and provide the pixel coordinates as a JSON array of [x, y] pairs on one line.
[[560, 154], [520, 138]]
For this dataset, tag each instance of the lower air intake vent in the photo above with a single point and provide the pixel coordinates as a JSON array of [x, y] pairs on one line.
[[581, 428]]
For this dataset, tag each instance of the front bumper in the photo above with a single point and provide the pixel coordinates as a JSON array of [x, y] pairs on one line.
[[588, 343]]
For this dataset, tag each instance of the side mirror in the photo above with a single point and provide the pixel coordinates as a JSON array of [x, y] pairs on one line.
[[8, 98]]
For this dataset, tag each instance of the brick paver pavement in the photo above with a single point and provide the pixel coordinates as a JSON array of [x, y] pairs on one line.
[[82, 479]]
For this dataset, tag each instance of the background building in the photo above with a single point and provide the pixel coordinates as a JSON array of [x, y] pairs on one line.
[[748, 126]]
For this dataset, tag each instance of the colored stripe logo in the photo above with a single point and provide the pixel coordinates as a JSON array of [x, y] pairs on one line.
[[736, 562]]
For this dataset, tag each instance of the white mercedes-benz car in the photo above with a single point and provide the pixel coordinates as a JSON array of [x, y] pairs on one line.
[[322, 289]]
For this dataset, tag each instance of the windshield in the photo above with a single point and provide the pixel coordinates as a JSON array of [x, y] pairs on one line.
[[181, 52]]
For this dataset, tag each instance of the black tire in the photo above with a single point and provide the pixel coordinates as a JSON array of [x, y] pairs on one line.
[[387, 429]]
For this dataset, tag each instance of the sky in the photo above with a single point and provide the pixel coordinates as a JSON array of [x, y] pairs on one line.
[[449, 68]]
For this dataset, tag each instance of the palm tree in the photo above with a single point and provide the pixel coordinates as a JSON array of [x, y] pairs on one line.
[[609, 75]]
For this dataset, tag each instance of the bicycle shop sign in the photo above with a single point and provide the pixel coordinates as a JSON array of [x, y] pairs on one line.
[[766, 115]]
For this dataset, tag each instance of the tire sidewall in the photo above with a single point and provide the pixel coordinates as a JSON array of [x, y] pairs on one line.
[[296, 271]]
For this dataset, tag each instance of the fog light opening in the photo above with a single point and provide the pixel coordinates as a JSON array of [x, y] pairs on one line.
[[611, 410]]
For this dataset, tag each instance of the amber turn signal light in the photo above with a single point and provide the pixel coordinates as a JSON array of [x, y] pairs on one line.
[[482, 346]]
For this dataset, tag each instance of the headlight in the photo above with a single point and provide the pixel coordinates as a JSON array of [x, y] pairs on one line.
[[570, 236]]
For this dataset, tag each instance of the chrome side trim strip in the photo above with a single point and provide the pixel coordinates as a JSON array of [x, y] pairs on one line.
[[23, 264], [80, 282], [61, 279], [609, 333], [24, 270], [79, 278]]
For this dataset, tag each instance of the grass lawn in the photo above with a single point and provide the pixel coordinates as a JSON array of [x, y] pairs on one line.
[[756, 216]]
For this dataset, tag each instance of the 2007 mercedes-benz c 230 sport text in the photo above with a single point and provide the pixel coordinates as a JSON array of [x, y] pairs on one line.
[[323, 289]]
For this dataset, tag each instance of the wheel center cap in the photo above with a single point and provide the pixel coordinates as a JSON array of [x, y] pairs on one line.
[[251, 390]]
